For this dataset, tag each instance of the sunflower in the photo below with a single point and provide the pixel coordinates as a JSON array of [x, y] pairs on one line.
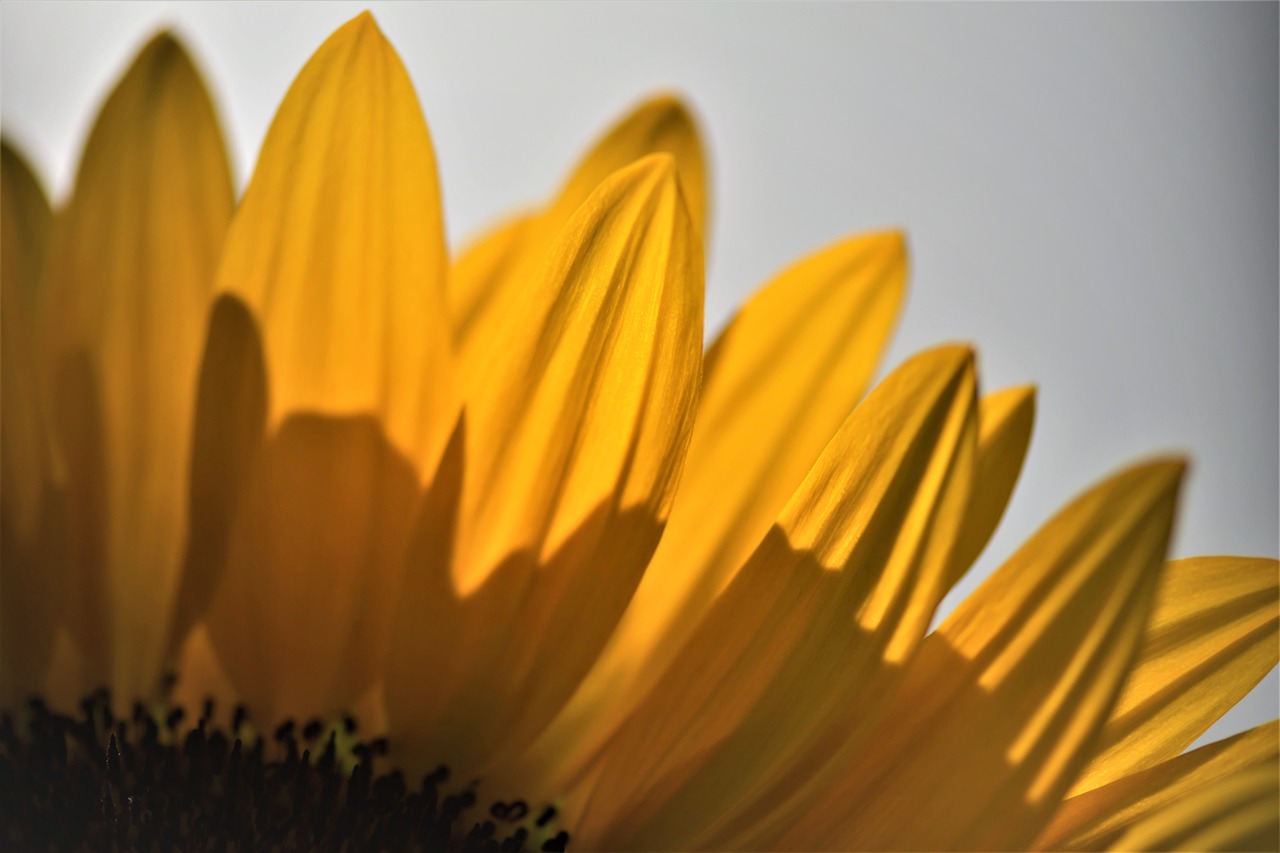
[[502, 514]]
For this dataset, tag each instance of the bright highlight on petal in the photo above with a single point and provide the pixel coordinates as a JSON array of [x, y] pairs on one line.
[[1004, 434], [1013, 687], [572, 460], [806, 639], [338, 248], [778, 383], [490, 286], [1214, 634], [1096, 820]]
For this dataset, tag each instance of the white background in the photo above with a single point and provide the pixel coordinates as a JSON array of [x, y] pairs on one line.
[[1091, 190]]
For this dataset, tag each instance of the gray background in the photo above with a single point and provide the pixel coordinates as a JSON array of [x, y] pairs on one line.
[[1090, 190]]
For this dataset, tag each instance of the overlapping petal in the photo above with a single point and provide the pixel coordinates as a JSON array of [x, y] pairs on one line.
[[492, 284], [337, 252], [811, 633], [999, 710], [1214, 634], [338, 249], [31, 582], [129, 277], [1097, 819], [1004, 433], [508, 510], [572, 458], [778, 383]]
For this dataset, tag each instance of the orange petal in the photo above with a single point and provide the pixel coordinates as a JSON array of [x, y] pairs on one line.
[[802, 646], [572, 457], [301, 618], [1214, 634], [999, 711], [338, 247], [1096, 820]]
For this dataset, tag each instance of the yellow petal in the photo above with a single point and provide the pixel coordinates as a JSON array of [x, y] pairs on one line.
[[1000, 708], [1096, 819], [1005, 432], [230, 419], [1241, 812], [661, 124], [480, 271], [1213, 636], [807, 638], [130, 275], [30, 568], [778, 383], [338, 247], [487, 297], [572, 460], [301, 619]]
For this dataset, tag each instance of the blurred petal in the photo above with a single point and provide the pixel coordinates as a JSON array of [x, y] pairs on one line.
[[1214, 634], [30, 572], [231, 412], [1241, 812], [489, 297], [782, 378], [572, 457], [1000, 709], [661, 124], [338, 247], [809, 636], [1004, 434], [130, 275], [301, 619], [481, 270], [1095, 820]]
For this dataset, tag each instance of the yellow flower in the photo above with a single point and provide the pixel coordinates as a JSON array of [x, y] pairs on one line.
[[505, 508]]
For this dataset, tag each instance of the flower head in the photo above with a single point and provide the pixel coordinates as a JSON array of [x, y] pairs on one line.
[[506, 510]]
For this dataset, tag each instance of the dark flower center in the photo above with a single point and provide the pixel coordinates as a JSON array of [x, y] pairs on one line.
[[149, 783]]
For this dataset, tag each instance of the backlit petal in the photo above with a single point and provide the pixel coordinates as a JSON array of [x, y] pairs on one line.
[[1096, 819], [482, 269], [778, 383], [572, 457], [130, 275], [30, 572], [338, 247], [1214, 634], [1000, 708], [1239, 813], [810, 635], [230, 421], [301, 619], [1004, 434], [485, 294]]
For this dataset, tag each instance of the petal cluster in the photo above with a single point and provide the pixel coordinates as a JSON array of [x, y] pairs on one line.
[[507, 508]]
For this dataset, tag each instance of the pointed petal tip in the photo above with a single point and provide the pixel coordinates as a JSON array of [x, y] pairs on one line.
[[363, 28], [953, 357], [667, 106], [365, 22], [1168, 470], [165, 49], [1018, 396], [894, 239]]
